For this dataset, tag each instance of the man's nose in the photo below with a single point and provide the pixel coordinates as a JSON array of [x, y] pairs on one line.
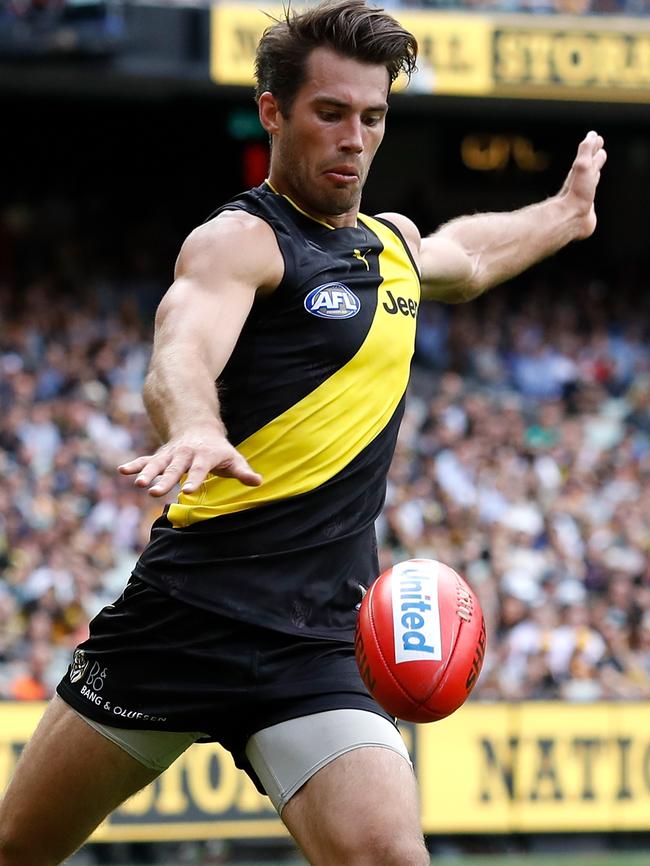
[[352, 139]]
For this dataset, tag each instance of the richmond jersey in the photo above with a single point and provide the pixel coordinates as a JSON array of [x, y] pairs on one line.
[[312, 396]]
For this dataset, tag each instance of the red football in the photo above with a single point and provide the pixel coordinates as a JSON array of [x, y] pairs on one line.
[[420, 640]]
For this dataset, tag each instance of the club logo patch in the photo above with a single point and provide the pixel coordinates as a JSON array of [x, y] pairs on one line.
[[332, 301], [78, 666]]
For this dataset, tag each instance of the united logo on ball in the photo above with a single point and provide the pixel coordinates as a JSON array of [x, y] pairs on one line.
[[420, 640]]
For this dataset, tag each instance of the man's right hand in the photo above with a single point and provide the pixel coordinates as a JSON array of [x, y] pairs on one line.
[[194, 454]]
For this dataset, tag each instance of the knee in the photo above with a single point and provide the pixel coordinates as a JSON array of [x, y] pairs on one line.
[[384, 849], [405, 851]]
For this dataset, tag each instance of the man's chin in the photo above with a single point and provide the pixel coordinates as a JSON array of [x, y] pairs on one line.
[[341, 202]]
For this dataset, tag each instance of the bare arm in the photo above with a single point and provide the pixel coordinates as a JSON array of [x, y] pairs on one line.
[[470, 254], [220, 268]]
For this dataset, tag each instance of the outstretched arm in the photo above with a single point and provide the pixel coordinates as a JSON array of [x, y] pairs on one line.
[[470, 254], [220, 267]]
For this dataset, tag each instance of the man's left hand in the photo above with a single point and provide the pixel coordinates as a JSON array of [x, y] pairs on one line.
[[579, 188]]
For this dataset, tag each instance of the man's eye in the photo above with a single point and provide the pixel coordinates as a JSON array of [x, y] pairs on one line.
[[329, 116]]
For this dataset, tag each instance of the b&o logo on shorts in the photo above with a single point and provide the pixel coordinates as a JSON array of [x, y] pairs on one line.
[[332, 301], [78, 666]]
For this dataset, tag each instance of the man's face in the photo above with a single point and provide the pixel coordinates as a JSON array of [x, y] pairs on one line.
[[322, 152]]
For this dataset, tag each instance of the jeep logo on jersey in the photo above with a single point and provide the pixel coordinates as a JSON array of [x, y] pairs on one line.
[[407, 307], [332, 301], [416, 617]]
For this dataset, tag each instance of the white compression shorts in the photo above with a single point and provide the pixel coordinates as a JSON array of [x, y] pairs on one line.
[[284, 756]]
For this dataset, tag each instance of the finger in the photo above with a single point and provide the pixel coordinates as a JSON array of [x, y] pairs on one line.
[[238, 467], [171, 476], [133, 466], [585, 145], [155, 466], [160, 488], [594, 142], [590, 144], [600, 159], [195, 477], [248, 476]]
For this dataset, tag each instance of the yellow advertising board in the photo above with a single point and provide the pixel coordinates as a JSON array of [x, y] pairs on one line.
[[489, 768], [601, 59], [536, 767], [524, 56], [234, 33]]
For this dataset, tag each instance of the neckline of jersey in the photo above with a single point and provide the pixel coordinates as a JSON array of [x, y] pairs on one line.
[[303, 212]]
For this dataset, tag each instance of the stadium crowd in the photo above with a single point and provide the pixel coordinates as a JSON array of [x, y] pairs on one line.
[[536, 7], [523, 462], [36, 17]]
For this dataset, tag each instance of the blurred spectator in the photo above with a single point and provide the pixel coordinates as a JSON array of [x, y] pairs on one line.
[[31, 684]]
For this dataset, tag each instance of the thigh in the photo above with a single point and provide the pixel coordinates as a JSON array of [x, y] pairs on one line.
[[285, 756], [67, 780], [361, 809]]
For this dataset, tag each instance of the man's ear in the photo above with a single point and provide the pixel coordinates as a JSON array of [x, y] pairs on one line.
[[269, 112]]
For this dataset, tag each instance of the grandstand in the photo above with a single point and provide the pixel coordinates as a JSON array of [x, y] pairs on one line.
[[524, 456]]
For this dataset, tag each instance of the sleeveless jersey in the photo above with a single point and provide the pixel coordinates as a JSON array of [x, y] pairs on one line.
[[312, 396]]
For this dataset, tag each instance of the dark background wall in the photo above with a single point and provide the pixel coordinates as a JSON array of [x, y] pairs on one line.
[[130, 158]]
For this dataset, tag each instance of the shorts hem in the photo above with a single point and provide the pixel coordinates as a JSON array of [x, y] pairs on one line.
[[73, 700]]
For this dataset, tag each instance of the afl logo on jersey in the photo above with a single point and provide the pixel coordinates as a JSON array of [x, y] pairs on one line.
[[332, 301]]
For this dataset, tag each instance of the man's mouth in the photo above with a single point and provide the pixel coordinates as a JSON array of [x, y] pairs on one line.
[[342, 174]]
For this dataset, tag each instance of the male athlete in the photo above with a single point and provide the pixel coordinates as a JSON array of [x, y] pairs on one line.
[[237, 623]]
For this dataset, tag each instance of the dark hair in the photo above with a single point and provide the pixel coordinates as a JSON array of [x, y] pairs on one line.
[[350, 27]]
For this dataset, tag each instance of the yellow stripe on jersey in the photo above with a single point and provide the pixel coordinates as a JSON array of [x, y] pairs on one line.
[[320, 435]]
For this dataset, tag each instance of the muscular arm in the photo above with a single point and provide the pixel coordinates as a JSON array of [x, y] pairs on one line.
[[470, 254], [220, 268]]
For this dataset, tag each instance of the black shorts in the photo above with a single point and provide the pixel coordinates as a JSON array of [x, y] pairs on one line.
[[155, 663]]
